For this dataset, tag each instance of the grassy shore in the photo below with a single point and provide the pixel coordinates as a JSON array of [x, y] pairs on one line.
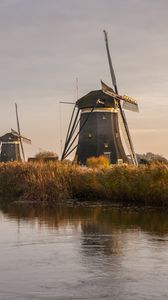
[[55, 181]]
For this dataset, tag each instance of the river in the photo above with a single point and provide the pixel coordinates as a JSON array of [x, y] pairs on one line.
[[83, 252]]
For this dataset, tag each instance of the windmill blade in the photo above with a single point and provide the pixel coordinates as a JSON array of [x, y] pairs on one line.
[[65, 102], [130, 106], [125, 136], [130, 103], [14, 132], [109, 91], [129, 99], [114, 82], [133, 154], [25, 140], [18, 127]]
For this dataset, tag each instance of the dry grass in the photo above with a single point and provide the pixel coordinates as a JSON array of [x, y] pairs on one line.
[[35, 181], [56, 181]]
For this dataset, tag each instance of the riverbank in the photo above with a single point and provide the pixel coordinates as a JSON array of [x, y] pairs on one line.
[[55, 181]]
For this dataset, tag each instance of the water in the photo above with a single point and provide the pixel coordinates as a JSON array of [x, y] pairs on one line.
[[83, 253]]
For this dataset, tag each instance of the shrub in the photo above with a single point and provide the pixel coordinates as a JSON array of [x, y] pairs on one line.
[[43, 155], [98, 162]]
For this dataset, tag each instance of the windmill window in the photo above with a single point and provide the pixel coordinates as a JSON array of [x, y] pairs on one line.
[[105, 145], [89, 135], [107, 154]]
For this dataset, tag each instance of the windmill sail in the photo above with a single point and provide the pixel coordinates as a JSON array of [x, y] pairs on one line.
[[14, 132], [25, 139], [114, 82], [109, 91], [18, 126], [125, 136], [118, 102], [128, 102], [130, 106]]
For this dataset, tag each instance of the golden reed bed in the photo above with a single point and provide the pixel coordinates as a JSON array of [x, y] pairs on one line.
[[55, 181]]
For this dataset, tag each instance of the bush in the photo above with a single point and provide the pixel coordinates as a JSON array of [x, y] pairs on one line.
[[43, 155], [98, 162]]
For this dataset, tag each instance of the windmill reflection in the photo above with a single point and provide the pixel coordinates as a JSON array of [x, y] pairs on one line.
[[97, 239], [96, 224]]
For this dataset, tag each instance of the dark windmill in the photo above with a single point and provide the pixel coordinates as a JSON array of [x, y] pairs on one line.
[[12, 142], [98, 114]]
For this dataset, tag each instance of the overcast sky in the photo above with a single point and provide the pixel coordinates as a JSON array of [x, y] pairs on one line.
[[46, 44]]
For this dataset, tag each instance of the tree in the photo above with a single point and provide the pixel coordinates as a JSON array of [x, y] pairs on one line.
[[151, 157]]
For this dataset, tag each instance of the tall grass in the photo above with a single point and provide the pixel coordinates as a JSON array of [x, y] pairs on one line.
[[35, 181], [56, 181]]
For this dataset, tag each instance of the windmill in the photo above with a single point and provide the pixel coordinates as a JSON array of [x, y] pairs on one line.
[[12, 142], [98, 115]]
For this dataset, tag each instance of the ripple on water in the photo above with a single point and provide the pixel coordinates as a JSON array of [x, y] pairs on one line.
[[83, 253]]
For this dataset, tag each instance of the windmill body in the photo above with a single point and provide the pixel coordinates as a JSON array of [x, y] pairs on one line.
[[98, 115], [11, 144], [10, 148], [101, 134]]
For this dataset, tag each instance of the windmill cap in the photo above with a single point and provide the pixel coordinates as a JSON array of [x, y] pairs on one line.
[[95, 98], [9, 136]]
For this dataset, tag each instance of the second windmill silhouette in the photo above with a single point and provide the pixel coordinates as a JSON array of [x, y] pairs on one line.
[[12, 143]]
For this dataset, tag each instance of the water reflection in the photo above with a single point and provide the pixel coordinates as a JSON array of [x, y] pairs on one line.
[[93, 219], [103, 230], [83, 252]]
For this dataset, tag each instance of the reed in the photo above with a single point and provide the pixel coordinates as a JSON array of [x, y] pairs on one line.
[[56, 181]]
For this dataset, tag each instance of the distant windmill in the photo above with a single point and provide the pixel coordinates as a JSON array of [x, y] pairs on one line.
[[98, 115], [12, 142]]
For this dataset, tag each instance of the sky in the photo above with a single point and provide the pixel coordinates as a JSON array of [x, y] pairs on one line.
[[46, 44]]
